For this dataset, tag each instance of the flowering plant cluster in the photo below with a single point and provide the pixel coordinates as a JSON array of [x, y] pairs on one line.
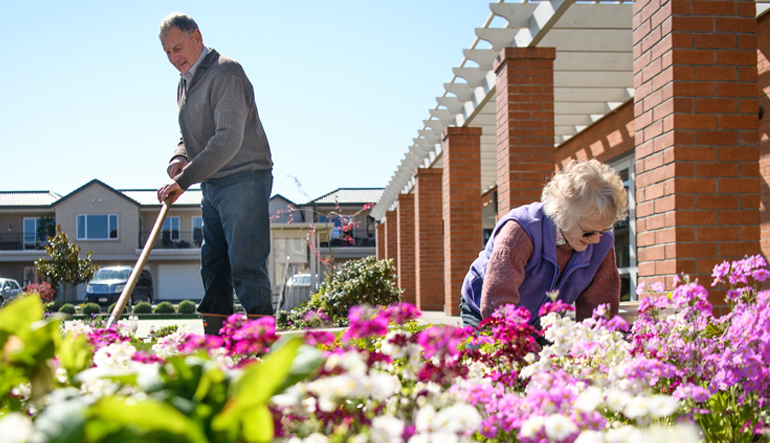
[[679, 374]]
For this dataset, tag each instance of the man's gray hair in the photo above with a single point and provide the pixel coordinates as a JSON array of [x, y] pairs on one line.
[[587, 189], [184, 22]]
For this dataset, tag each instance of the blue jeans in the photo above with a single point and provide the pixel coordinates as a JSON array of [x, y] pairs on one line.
[[236, 245]]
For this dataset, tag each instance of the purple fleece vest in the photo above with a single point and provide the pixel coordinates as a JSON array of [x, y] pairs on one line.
[[541, 274]]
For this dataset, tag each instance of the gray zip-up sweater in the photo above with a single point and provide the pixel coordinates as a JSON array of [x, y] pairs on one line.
[[222, 136]]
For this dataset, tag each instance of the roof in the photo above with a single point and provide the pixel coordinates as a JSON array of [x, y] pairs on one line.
[[94, 181], [349, 196], [149, 197], [27, 198], [593, 74]]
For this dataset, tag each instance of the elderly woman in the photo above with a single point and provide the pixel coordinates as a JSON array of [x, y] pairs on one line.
[[564, 242]]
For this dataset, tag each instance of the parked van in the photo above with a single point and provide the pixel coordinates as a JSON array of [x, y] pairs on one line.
[[109, 282]]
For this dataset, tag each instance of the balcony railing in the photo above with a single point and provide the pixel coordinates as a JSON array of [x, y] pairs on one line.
[[174, 240], [21, 242], [345, 242]]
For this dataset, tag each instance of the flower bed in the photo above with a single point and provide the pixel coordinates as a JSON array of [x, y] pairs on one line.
[[679, 374]]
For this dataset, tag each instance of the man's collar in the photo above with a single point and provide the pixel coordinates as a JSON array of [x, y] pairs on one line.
[[191, 73]]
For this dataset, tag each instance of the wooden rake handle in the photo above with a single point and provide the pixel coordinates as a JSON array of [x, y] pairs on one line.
[[137, 271]]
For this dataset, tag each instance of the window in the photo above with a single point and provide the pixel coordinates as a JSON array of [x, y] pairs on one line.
[[197, 231], [98, 227], [37, 231], [171, 228], [625, 232]]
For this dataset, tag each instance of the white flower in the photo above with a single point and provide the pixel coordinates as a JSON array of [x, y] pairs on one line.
[[15, 428], [636, 407], [387, 429], [589, 399], [316, 438], [420, 438], [559, 427], [114, 356], [531, 426], [617, 400], [620, 435], [589, 436], [662, 405], [456, 418], [128, 327], [424, 418]]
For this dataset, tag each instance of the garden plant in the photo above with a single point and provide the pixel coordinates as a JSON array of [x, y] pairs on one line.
[[679, 374]]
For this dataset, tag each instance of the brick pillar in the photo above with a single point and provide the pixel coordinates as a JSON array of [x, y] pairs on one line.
[[461, 188], [695, 105], [406, 251], [379, 240], [763, 68], [525, 128], [429, 241], [391, 237]]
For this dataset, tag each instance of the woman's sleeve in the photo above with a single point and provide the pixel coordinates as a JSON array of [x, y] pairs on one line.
[[605, 288], [505, 270]]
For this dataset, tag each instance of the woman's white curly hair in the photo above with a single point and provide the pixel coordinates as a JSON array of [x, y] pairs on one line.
[[583, 190]]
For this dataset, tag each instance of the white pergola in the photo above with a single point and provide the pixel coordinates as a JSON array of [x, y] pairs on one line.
[[593, 75]]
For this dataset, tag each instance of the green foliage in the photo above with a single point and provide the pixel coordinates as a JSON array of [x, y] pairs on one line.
[[164, 331], [27, 347], [111, 308], [65, 266], [54, 306], [91, 308], [164, 307], [142, 308], [67, 308], [365, 281], [186, 307]]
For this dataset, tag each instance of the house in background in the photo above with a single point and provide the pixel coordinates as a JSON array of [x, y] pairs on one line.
[[115, 225]]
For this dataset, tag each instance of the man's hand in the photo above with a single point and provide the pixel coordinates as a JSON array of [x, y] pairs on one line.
[[169, 192], [176, 166]]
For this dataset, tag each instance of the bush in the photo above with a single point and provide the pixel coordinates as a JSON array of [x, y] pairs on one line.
[[91, 308], [143, 308], [164, 331], [67, 308], [111, 308], [54, 306], [164, 307], [365, 281], [47, 293], [186, 307]]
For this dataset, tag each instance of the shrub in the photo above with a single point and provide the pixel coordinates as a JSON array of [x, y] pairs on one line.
[[186, 307], [164, 307], [111, 308], [91, 308], [164, 331], [67, 308], [53, 306], [47, 293], [143, 308], [365, 281]]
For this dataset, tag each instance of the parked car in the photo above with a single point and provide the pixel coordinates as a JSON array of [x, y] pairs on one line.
[[108, 283], [9, 289]]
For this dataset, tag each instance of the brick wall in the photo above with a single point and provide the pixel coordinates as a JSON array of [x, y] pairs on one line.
[[763, 84], [606, 139], [461, 187], [406, 251], [525, 129], [429, 240], [391, 237], [697, 158]]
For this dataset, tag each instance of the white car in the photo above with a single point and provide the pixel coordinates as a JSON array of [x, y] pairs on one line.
[[9, 289]]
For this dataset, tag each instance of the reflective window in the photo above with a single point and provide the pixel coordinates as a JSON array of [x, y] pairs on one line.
[[625, 232], [97, 227]]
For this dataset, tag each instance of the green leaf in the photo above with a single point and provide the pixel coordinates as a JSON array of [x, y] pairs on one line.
[[17, 317], [75, 354], [258, 424], [308, 359], [110, 414], [261, 380]]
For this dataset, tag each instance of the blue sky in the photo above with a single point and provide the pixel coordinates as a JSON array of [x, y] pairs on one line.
[[341, 86]]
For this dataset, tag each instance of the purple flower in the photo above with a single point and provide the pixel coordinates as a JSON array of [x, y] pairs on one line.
[[401, 313], [365, 322], [557, 306]]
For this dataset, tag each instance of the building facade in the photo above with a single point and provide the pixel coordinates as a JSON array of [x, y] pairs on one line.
[[672, 94]]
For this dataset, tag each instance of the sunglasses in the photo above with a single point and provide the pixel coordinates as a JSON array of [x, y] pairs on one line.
[[587, 234]]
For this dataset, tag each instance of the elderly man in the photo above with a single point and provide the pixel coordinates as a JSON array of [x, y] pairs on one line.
[[225, 149]]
